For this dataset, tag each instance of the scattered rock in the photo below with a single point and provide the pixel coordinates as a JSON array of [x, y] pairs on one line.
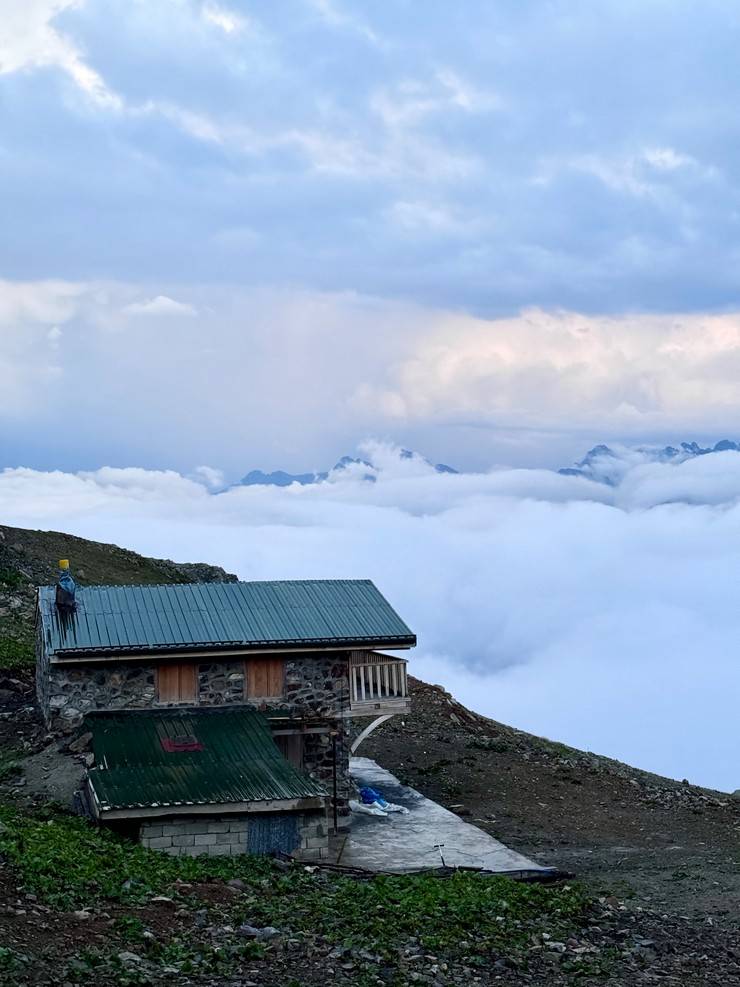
[[128, 957], [253, 932], [81, 743]]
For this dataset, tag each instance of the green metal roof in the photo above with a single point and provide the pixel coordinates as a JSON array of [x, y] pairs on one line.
[[314, 612], [238, 760]]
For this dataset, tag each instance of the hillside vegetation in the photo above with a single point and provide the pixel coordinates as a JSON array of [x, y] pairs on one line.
[[656, 899]]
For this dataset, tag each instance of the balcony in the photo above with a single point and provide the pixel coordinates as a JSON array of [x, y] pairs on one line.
[[377, 683]]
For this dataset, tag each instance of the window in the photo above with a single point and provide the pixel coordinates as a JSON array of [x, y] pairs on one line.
[[290, 746], [177, 683], [265, 678]]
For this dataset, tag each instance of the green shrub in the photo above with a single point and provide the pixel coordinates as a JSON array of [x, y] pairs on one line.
[[16, 655], [8, 764], [11, 579]]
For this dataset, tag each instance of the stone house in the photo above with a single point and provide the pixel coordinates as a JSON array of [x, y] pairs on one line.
[[220, 714]]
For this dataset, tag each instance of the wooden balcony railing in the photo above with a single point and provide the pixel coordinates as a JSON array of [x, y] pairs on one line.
[[377, 681]]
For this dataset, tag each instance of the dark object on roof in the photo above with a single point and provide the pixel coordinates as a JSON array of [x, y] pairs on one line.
[[66, 588], [113, 620], [139, 764]]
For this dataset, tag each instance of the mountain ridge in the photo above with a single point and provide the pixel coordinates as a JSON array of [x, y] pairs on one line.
[[367, 469], [602, 464]]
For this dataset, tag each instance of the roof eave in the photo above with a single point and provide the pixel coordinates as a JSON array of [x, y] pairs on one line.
[[234, 648], [303, 803]]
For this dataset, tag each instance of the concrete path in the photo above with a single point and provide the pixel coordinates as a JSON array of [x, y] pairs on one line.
[[429, 836]]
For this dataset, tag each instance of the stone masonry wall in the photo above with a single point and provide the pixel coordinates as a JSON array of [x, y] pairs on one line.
[[221, 683], [318, 683], [74, 690], [43, 682], [229, 836], [315, 686]]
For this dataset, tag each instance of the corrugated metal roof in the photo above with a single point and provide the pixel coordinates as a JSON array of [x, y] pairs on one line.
[[238, 760], [315, 612]]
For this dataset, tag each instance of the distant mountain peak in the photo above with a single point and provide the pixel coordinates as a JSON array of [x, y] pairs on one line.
[[603, 465], [281, 478]]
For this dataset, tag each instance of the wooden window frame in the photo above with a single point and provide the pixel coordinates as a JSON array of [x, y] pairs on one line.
[[272, 673], [174, 670]]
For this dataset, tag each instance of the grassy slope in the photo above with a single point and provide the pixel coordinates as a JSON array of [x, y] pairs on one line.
[[466, 918]]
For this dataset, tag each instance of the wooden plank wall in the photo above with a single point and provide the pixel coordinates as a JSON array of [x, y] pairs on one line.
[[265, 677], [177, 682]]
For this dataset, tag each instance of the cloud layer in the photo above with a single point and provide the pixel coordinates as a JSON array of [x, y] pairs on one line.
[[509, 155], [603, 617], [174, 375]]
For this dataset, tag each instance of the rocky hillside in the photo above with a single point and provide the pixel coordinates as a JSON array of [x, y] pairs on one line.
[[675, 845]]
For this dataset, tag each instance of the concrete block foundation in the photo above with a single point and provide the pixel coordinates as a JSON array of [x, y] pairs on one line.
[[303, 835]]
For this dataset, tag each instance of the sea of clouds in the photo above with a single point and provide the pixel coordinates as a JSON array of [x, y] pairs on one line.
[[603, 617]]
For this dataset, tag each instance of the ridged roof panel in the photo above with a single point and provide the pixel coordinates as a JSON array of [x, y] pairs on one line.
[[112, 619], [238, 760]]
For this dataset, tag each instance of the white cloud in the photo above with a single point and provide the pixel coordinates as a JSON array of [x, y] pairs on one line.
[[31, 313], [395, 369], [410, 101], [466, 96], [333, 15], [54, 335], [336, 149], [667, 159], [161, 305], [29, 40], [628, 372], [224, 18], [599, 617], [642, 174], [424, 218], [212, 478], [39, 301], [402, 154]]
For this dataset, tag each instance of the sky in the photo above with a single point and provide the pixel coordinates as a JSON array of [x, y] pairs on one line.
[[255, 233], [263, 233]]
